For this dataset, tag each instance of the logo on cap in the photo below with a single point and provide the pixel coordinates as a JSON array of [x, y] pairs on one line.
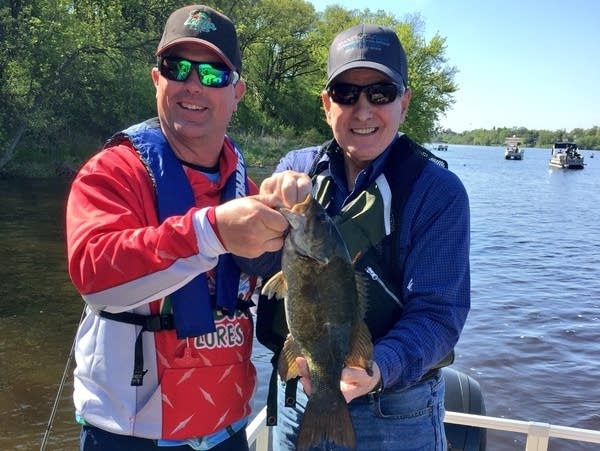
[[200, 22], [367, 41]]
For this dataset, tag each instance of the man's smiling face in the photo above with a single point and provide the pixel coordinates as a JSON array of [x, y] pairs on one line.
[[364, 130], [194, 116]]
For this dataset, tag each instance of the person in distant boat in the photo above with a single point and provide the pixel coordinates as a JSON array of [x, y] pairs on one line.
[[405, 217], [152, 224]]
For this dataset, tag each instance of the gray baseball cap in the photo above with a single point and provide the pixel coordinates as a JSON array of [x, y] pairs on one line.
[[368, 46]]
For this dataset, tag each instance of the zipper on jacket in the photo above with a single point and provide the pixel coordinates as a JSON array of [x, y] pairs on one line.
[[376, 278]]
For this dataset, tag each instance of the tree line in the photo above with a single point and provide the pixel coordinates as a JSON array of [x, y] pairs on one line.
[[74, 72], [585, 138]]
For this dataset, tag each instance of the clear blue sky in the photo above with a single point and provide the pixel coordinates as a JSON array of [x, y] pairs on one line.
[[529, 63]]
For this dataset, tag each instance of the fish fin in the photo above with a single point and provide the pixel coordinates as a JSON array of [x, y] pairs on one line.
[[326, 420], [287, 359], [361, 348], [362, 289], [276, 286]]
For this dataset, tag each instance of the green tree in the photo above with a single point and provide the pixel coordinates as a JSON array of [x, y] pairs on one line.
[[68, 76], [279, 64], [431, 79], [74, 72]]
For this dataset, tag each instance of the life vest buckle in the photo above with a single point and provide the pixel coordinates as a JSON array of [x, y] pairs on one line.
[[155, 323]]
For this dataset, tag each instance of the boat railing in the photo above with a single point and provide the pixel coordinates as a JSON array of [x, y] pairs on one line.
[[538, 434]]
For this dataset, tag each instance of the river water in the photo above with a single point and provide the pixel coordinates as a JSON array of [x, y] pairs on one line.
[[532, 339]]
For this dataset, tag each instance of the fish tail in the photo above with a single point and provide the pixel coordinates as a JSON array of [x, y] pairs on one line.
[[326, 420]]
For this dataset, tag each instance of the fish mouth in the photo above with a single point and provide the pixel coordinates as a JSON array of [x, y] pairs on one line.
[[295, 214], [291, 217], [302, 206], [300, 232]]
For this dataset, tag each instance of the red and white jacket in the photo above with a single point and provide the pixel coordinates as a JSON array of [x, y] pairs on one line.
[[121, 258]]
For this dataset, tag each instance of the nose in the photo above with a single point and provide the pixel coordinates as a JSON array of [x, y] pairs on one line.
[[363, 109], [192, 83]]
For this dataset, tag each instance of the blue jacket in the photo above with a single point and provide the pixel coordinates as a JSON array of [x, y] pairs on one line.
[[435, 232]]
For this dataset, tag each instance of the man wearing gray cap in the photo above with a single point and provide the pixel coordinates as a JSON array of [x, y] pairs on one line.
[[405, 219], [163, 352]]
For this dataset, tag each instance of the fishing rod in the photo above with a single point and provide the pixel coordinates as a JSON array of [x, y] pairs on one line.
[[60, 388]]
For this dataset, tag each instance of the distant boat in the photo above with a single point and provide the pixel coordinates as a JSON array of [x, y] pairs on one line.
[[566, 155], [513, 151], [442, 147]]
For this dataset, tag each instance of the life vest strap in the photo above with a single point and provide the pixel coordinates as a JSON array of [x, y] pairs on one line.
[[272, 394], [149, 323]]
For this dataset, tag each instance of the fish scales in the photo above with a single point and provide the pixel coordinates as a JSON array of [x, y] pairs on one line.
[[324, 311]]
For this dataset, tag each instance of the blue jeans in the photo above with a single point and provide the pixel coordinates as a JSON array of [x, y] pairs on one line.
[[408, 419]]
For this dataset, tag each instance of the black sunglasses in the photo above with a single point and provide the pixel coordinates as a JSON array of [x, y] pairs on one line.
[[213, 75], [377, 93]]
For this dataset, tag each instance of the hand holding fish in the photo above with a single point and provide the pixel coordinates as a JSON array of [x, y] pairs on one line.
[[286, 188], [355, 381], [248, 227]]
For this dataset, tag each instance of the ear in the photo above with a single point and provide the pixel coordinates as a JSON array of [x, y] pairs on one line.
[[239, 89], [155, 74], [238, 92], [405, 103], [326, 101]]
